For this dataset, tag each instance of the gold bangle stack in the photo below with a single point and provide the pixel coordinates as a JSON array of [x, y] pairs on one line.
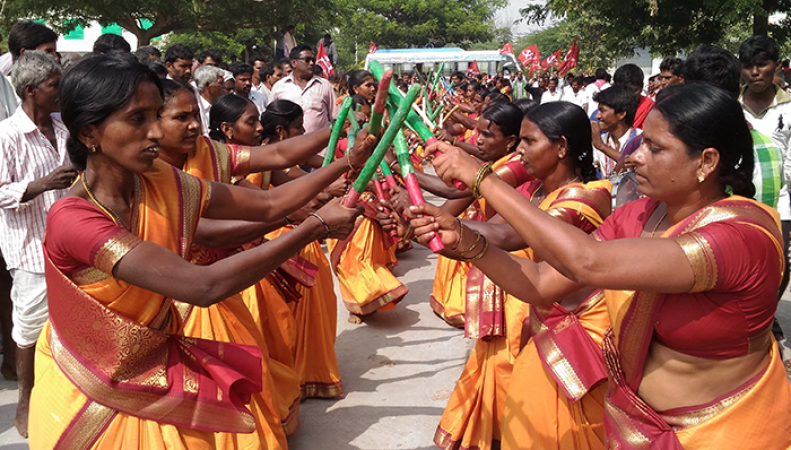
[[474, 244], [480, 254], [485, 170], [461, 234]]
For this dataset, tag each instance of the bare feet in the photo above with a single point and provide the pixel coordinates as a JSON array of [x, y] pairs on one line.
[[25, 356], [20, 421], [354, 318]]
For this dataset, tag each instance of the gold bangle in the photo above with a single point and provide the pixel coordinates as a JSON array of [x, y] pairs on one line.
[[474, 244], [392, 164], [480, 254], [485, 170], [351, 166], [410, 233], [461, 235]]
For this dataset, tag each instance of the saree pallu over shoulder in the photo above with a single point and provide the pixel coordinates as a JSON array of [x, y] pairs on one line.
[[583, 205], [633, 424], [218, 162], [128, 367]]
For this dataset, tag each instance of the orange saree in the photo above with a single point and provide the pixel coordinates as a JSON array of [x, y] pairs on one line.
[[478, 411], [734, 247], [214, 161], [450, 278], [112, 369], [361, 263]]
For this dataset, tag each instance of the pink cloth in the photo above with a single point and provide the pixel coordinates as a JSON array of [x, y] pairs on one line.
[[317, 100]]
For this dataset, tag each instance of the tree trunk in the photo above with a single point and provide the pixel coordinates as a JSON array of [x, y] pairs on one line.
[[761, 20]]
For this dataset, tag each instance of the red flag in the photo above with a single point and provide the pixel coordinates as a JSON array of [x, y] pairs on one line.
[[372, 47], [570, 61], [529, 55], [473, 69], [324, 61], [507, 49], [552, 60]]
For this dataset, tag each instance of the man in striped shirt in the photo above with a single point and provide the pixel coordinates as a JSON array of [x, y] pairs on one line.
[[34, 173]]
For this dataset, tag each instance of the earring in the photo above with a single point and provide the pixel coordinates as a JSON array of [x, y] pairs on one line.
[[561, 155], [93, 149], [229, 136], [701, 177]]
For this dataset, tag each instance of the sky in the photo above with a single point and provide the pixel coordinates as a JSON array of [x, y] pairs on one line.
[[506, 16]]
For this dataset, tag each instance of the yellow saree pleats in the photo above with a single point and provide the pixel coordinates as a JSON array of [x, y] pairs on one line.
[[316, 315]]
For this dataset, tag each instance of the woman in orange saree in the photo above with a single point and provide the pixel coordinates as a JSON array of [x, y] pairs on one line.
[[475, 413], [316, 313], [113, 369], [689, 275]]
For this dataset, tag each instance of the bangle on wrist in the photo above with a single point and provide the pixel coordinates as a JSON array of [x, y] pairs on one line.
[[485, 170], [461, 235], [480, 254], [351, 166], [288, 221], [474, 244], [393, 164], [410, 233], [323, 223]]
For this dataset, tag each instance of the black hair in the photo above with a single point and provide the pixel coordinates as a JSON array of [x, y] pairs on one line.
[[672, 65], [359, 100], [172, 87], [506, 82], [629, 75], [282, 61], [178, 51], [228, 108], [566, 120], [355, 79], [589, 80], [601, 74], [93, 89], [209, 54], [157, 66], [237, 68], [327, 36], [757, 48], [578, 79], [253, 59], [714, 65], [294, 54], [28, 35], [146, 51], [459, 75], [318, 70], [496, 97], [621, 99], [463, 86], [508, 119], [526, 105], [291, 27], [281, 113], [110, 42], [266, 71], [703, 116]]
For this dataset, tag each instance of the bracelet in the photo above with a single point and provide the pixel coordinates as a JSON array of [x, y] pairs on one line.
[[461, 235], [485, 170], [474, 244], [410, 233], [288, 221], [351, 166], [323, 223], [393, 164], [480, 254]]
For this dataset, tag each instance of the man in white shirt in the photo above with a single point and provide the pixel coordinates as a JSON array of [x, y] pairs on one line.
[[519, 85], [617, 108], [243, 85], [271, 73], [573, 93], [178, 60], [553, 92], [210, 82], [314, 94], [34, 171], [257, 62], [599, 85]]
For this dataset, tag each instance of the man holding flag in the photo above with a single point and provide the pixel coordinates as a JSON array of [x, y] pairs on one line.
[[570, 61], [323, 60]]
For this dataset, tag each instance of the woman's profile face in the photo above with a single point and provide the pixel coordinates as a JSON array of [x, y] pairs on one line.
[[296, 128], [664, 170], [247, 129], [492, 144], [130, 137], [539, 155], [180, 123]]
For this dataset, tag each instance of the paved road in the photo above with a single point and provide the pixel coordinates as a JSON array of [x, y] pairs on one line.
[[398, 370]]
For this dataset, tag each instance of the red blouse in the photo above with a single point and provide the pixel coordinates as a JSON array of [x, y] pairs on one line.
[[735, 316]]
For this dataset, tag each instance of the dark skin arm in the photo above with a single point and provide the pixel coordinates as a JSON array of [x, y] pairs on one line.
[[289, 152], [60, 178], [160, 270]]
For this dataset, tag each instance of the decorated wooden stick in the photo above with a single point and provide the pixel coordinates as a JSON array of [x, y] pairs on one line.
[[396, 122], [336, 130], [380, 102], [353, 131], [412, 187], [396, 96], [390, 180], [436, 78], [381, 193]]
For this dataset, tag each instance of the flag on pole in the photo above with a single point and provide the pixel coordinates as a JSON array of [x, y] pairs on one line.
[[507, 49], [324, 61], [570, 61], [372, 47], [552, 60], [529, 55], [473, 69]]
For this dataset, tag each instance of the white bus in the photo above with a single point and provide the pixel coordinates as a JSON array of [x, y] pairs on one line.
[[424, 59]]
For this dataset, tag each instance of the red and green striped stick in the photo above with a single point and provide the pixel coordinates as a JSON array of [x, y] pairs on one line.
[[412, 186], [336, 130], [380, 102], [396, 122]]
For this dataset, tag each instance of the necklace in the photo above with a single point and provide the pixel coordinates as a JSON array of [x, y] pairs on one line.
[[656, 227], [107, 210]]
